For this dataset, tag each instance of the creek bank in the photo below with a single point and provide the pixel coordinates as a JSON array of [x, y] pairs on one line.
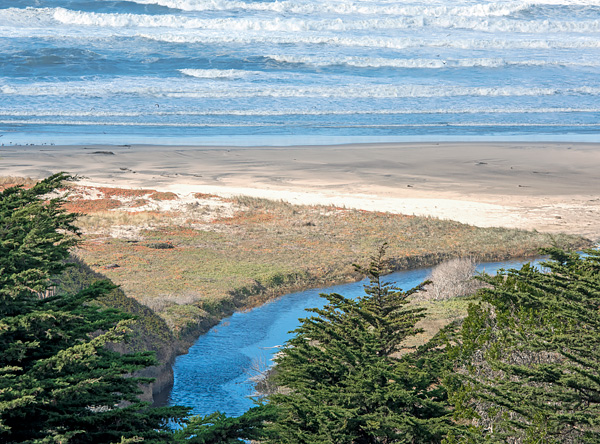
[[219, 370], [151, 332], [243, 300]]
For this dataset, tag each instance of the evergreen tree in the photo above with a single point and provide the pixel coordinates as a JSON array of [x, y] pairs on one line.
[[220, 429], [528, 355], [58, 381], [341, 378]]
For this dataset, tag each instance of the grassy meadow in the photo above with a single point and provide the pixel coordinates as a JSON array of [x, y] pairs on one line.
[[193, 259]]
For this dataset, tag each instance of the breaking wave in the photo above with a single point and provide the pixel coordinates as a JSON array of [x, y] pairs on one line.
[[294, 112], [35, 17], [366, 8], [378, 42]]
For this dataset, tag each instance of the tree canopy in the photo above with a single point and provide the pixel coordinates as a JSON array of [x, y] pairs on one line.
[[58, 380], [527, 358], [343, 379]]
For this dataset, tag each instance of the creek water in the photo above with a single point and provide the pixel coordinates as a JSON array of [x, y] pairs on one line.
[[215, 374]]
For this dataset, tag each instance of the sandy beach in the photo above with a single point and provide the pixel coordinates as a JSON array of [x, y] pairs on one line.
[[550, 187]]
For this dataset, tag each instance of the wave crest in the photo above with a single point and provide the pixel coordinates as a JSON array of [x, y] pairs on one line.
[[36, 17], [343, 8]]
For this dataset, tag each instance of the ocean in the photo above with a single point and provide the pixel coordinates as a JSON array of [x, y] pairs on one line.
[[298, 71]]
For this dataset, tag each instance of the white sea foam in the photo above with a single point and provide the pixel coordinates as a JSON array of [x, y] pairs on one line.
[[383, 91], [34, 113], [375, 42], [178, 88], [39, 17], [567, 2], [345, 8], [25, 17], [131, 123], [240, 74], [292, 124], [296, 24], [218, 73], [380, 62]]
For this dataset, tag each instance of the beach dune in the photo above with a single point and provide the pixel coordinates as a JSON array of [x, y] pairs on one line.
[[552, 187]]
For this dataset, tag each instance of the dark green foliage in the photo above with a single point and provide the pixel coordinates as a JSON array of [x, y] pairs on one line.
[[58, 381], [33, 241], [342, 381], [528, 355], [220, 429]]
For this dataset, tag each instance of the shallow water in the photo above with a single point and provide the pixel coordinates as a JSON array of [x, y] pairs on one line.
[[214, 375], [171, 71]]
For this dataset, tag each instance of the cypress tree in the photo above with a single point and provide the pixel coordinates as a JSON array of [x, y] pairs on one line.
[[528, 355], [58, 380], [342, 379], [217, 428]]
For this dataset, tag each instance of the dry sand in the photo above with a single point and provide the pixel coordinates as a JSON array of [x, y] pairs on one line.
[[550, 187]]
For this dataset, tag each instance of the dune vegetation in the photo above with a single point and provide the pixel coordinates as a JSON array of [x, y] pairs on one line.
[[196, 257]]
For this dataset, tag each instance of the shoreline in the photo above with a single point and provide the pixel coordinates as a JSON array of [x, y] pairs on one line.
[[549, 187], [252, 141]]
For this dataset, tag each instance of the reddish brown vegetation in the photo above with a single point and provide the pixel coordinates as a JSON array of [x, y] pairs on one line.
[[163, 195], [89, 206]]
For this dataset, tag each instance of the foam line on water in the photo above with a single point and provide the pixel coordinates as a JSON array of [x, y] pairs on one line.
[[218, 73], [296, 24], [286, 124], [195, 88], [367, 8], [295, 112], [375, 41], [348, 7], [380, 62]]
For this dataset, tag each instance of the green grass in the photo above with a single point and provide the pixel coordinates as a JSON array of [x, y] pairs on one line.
[[438, 315]]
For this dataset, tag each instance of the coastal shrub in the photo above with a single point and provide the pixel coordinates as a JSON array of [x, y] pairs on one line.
[[261, 374], [450, 279], [120, 224], [163, 195], [276, 280], [161, 245], [259, 203]]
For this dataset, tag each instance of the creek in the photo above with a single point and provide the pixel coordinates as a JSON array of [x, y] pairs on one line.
[[215, 374]]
